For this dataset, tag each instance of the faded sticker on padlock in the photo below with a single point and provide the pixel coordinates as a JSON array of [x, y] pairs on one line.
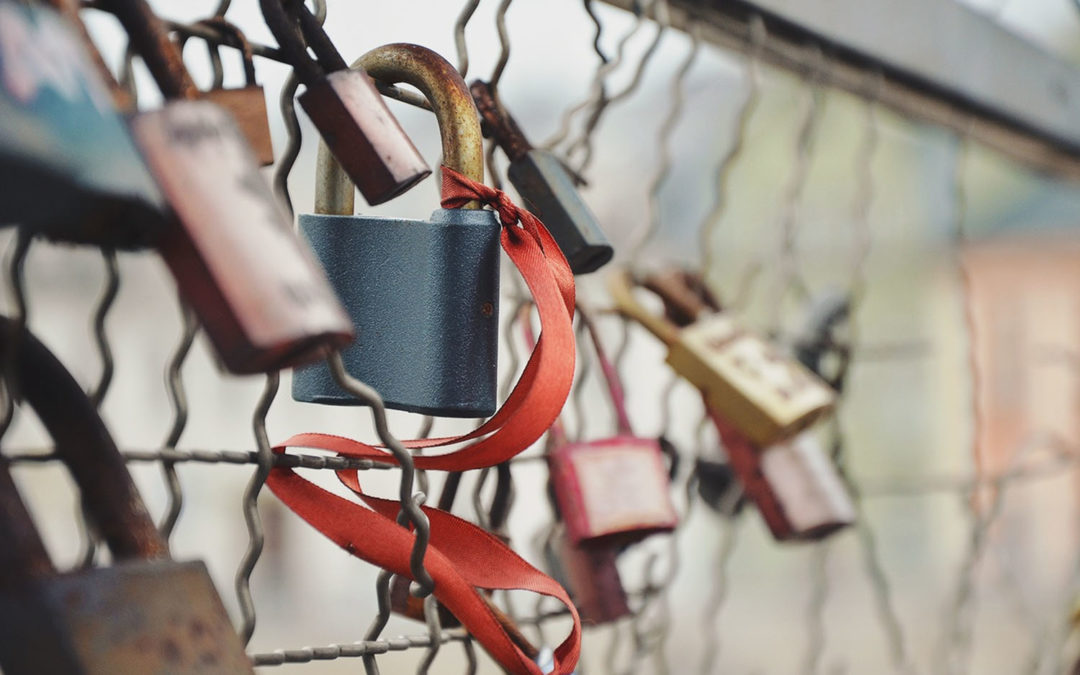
[[777, 385], [236, 223], [623, 486], [806, 485]]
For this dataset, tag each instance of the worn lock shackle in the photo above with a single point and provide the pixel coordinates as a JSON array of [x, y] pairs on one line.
[[161, 55], [443, 87], [87, 449], [290, 39], [243, 45], [685, 295]]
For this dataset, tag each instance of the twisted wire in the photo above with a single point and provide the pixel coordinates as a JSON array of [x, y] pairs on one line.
[[250, 504], [667, 129], [459, 35], [601, 102], [178, 400], [101, 339], [752, 76], [597, 86]]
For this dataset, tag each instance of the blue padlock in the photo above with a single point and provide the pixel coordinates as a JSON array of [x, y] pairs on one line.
[[423, 295]]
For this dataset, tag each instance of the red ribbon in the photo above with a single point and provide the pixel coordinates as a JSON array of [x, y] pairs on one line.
[[462, 557]]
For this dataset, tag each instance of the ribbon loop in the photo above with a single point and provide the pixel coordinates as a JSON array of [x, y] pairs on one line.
[[462, 557]]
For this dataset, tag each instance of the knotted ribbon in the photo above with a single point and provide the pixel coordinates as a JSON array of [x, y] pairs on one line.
[[462, 557]]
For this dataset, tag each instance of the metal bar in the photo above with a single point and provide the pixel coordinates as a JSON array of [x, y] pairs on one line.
[[288, 460], [942, 63]]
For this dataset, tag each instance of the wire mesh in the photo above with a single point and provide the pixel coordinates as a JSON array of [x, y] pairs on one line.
[[693, 595]]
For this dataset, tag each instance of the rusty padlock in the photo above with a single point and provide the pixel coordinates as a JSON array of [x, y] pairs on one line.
[[589, 574], [423, 295], [793, 484], [546, 187], [262, 299], [68, 166], [768, 395], [350, 114], [247, 104], [613, 491], [144, 614]]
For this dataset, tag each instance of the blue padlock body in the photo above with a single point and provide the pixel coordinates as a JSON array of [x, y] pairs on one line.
[[424, 298]]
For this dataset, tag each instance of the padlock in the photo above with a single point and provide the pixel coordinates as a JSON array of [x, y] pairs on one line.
[[614, 491], [768, 395], [793, 484], [68, 166], [145, 613], [546, 187], [262, 299], [350, 114], [590, 576], [423, 295], [247, 104]]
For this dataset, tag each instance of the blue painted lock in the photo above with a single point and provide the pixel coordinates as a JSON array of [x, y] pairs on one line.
[[423, 295]]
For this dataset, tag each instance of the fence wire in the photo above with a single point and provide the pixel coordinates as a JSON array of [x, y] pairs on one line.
[[642, 643]]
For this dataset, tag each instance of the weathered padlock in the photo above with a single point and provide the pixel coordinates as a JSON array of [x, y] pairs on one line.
[[769, 396], [546, 187], [262, 299], [145, 613], [345, 107], [613, 491], [793, 484], [423, 296], [68, 166], [589, 574], [247, 104]]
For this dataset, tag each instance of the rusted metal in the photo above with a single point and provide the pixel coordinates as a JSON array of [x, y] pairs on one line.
[[146, 614], [151, 39], [85, 445], [348, 111], [248, 103], [497, 123], [439, 82]]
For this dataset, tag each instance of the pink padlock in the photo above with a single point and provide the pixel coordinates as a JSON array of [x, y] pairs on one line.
[[613, 491]]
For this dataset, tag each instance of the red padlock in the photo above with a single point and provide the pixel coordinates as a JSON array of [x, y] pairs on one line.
[[589, 574], [613, 491]]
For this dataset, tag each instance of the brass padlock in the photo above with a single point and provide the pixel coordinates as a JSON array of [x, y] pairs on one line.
[[69, 169], [144, 614], [247, 104], [546, 187], [766, 394], [342, 102], [612, 491], [589, 574], [793, 484], [264, 302]]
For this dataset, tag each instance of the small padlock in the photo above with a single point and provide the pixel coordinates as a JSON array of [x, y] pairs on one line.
[[793, 484], [345, 107], [613, 491], [247, 104], [769, 396], [263, 301], [589, 574], [145, 613], [423, 295], [546, 187], [68, 166]]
